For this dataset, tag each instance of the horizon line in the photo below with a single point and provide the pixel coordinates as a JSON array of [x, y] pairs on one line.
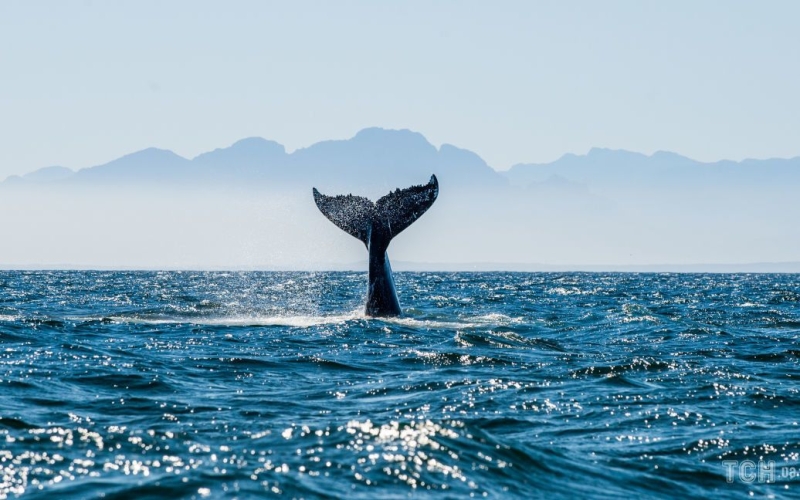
[[786, 267]]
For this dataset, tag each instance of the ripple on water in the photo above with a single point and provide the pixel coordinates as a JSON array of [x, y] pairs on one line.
[[243, 385]]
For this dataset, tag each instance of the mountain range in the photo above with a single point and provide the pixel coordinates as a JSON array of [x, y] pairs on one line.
[[387, 158], [250, 206], [373, 156]]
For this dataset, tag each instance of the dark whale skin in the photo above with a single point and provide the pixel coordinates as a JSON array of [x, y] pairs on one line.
[[376, 224]]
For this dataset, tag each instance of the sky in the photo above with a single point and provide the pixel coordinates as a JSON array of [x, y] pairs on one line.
[[84, 82]]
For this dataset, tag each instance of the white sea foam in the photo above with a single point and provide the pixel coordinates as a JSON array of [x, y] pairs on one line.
[[298, 321], [495, 318], [310, 320], [426, 323], [750, 304]]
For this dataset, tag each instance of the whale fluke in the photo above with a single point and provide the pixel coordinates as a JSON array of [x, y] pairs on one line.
[[375, 224], [351, 214]]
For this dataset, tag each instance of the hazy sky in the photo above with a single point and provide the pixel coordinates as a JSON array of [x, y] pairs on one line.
[[84, 82]]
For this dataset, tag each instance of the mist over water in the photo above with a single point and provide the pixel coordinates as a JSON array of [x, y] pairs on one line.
[[243, 384], [271, 228]]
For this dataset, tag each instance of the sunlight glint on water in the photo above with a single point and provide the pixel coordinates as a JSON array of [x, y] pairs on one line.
[[236, 385]]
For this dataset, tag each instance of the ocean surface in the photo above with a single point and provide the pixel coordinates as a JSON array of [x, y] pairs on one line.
[[499, 385]]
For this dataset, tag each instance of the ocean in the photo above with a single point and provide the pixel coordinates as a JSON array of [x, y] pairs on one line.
[[492, 385]]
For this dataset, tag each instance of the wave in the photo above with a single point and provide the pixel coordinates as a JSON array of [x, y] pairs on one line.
[[307, 320], [299, 321]]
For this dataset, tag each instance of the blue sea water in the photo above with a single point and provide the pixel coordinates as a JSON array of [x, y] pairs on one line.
[[499, 385]]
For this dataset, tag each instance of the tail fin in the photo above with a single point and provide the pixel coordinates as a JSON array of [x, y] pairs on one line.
[[351, 214], [396, 211], [403, 206]]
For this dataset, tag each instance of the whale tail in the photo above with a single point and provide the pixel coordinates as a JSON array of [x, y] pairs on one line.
[[376, 224], [363, 219]]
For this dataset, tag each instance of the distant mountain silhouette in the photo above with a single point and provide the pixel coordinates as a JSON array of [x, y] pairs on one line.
[[618, 168], [148, 165], [43, 175], [251, 159], [381, 159], [373, 157]]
